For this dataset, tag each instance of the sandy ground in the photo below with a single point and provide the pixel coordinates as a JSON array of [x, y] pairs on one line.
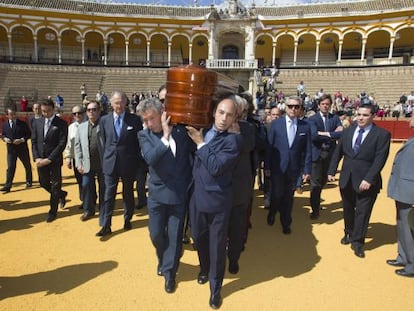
[[64, 266]]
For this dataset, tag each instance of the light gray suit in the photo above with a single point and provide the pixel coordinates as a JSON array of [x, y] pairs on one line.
[[400, 188], [83, 159]]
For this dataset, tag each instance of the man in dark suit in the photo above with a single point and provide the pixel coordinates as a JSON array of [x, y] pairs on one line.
[[15, 134], [326, 129], [168, 152], [49, 136], [243, 182], [210, 204], [364, 148], [289, 146], [400, 188], [118, 132]]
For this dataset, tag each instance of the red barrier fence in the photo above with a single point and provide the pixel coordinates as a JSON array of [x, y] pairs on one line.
[[399, 129]]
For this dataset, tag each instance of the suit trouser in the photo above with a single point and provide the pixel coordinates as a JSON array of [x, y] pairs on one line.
[[357, 211], [283, 189], [14, 152], [78, 177], [89, 190], [50, 179], [141, 179], [209, 231], [405, 237], [318, 179], [107, 208], [166, 231], [237, 235]]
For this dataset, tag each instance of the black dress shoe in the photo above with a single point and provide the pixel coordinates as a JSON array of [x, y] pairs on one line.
[[346, 239], [50, 218], [29, 185], [127, 225], [170, 286], [287, 230], [202, 278], [215, 301], [314, 216], [394, 263], [402, 272], [234, 267], [270, 219], [140, 206], [5, 190], [85, 216], [62, 200], [104, 231], [358, 251], [185, 239]]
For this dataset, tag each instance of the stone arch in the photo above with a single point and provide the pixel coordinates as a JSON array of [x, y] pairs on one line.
[[199, 48], [47, 44]]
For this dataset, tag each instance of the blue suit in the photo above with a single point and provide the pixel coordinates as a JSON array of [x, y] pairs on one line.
[[169, 180], [211, 202], [322, 150], [285, 165], [120, 160]]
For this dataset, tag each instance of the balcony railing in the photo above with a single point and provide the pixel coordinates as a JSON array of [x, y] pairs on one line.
[[231, 64]]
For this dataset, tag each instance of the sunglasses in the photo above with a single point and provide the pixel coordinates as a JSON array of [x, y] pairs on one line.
[[294, 106], [92, 109], [77, 113]]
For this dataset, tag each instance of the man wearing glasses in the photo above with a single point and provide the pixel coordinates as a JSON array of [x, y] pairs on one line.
[[78, 114], [364, 148], [88, 154], [289, 145]]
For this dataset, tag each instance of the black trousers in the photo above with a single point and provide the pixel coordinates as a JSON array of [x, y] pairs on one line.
[[50, 179], [15, 152], [357, 212], [319, 177]]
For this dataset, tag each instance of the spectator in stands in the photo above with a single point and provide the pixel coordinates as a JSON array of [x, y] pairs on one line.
[[59, 103], [15, 134], [83, 91], [104, 103], [301, 90], [24, 104], [78, 114], [397, 110]]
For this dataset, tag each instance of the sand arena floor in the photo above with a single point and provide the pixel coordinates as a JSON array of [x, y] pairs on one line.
[[64, 266]]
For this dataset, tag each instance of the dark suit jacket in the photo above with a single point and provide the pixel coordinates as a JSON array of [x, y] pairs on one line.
[[243, 172], [367, 163], [52, 145], [281, 159], [20, 130], [316, 123], [214, 164], [122, 153], [169, 176]]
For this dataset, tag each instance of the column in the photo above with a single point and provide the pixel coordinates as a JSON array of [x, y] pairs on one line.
[[392, 39], [190, 53], [273, 53], [341, 42], [126, 52], [59, 39], [364, 43], [295, 52], [9, 38], [211, 42], [169, 53], [105, 60], [36, 56], [318, 43], [148, 52], [83, 50]]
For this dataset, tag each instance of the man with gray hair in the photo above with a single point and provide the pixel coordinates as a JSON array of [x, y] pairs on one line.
[[118, 131], [168, 151]]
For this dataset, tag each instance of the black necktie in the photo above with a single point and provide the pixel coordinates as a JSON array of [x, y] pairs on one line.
[[358, 141]]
